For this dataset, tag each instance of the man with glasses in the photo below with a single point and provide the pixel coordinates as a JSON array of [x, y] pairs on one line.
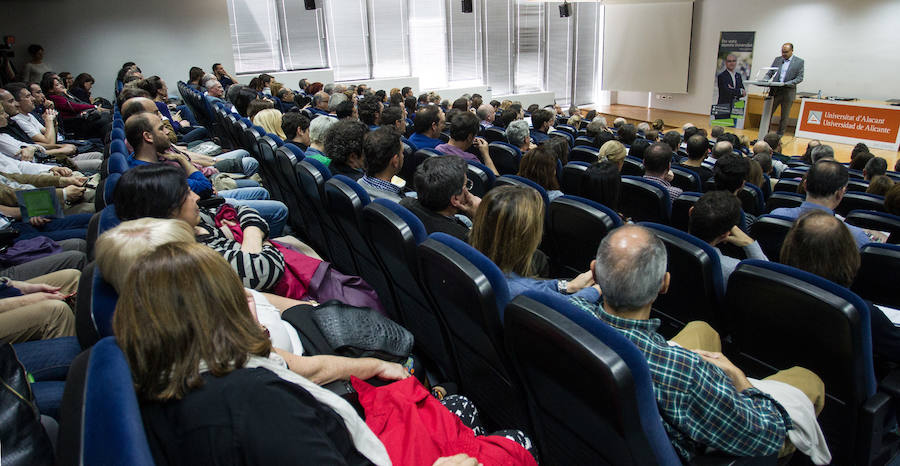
[[731, 84], [444, 202]]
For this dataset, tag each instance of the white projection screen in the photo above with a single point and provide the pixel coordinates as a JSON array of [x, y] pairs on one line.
[[647, 46]]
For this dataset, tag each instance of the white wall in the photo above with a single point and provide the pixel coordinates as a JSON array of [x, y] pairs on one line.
[[165, 37], [849, 46]]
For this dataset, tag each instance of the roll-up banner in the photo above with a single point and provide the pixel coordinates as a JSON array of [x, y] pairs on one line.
[[732, 69]]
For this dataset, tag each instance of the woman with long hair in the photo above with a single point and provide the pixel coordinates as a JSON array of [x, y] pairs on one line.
[[270, 120], [507, 228], [88, 121], [539, 165]]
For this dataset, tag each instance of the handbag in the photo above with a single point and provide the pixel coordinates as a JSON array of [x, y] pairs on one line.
[[357, 332], [23, 437]]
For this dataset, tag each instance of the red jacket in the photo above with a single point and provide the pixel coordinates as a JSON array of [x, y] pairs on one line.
[[417, 429], [68, 108]]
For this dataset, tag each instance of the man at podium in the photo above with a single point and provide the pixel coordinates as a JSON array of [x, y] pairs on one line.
[[790, 72]]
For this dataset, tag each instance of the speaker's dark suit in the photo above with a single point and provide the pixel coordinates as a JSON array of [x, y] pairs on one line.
[[784, 95], [729, 91]]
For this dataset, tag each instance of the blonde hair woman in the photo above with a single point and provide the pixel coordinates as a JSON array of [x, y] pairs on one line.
[[614, 151], [507, 228], [270, 120]]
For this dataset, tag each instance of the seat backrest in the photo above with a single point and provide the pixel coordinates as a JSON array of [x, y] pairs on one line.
[[482, 178], [795, 172], [108, 220], [570, 138], [878, 271], [779, 317], [395, 232], [304, 222], [118, 145], [411, 163], [686, 179], [584, 141], [857, 185], [506, 157], [117, 163], [572, 175], [515, 180], [854, 200], [633, 166], [575, 227], [494, 134], [311, 177], [879, 221], [345, 200], [101, 421], [470, 293], [787, 185], [613, 419], [751, 198], [769, 231], [584, 154], [780, 199], [681, 209], [697, 285], [644, 200], [109, 188]]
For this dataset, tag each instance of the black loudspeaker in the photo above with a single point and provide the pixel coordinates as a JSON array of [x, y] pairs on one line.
[[564, 10], [466, 6], [309, 4]]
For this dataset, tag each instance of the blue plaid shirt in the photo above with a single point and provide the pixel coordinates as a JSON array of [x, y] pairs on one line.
[[697, 401], [376, 183]]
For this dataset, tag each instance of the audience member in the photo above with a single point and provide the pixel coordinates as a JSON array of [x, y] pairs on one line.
[[486, 114], [518, 134], [318, 132], [880, 185], [613, 151], [826, 184], [295, 126], [344, 146], [36, 309], [697, 148], [541, 122], [892, 200], [626, 134], [657, 164], [807, 155], [874, 167], [638, 148], [821, 152], [816, 232], [715, 218], [383, 153], [370, 109], [508, 228], [270, 120], [601, 183], [539, 165], [428, 124], [443, 192], [720, 149], [712, 405], [463, 130]]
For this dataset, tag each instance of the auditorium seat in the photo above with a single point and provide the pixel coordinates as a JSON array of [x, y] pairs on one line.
[[268, 167], [787, 185], [878, 272], [769, 231], [482, 178], [752, 200], [633, 166], [117, 162], [395, 233], [301, 221], [588, 388], [100, 418], [575, 227], [95, 307], [879, 221], [470, 293], [644, 200], [780, 317], [515, 180], [109, 188], [345, 200], [697, 285], [408, 170], [506, 157], [855, 174], [312, 175], [794, 172], [780, 199], [857, 185], [572, 175], [584, 141], [681, 209], [859, 201], [586, 154], [570, 130], [569, 137], [686, 179], [494, 134]]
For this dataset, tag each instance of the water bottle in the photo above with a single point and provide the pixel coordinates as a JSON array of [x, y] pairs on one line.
[[819, 95]]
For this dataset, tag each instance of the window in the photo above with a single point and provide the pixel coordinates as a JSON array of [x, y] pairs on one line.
[[513, 46]]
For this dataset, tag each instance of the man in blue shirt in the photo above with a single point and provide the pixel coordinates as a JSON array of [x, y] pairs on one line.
[[429, 123], [541, 122], [826, 184]]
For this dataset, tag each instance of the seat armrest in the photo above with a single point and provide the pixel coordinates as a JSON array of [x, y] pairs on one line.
[[211, 202], [724, 459]]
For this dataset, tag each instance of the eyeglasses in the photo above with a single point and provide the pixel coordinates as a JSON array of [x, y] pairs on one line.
[[469, 184]]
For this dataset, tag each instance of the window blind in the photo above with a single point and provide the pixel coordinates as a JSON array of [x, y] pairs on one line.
[[254, 35], [348, 39], [302, 36]]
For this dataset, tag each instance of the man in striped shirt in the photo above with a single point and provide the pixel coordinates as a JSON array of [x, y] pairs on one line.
[[704, 399]]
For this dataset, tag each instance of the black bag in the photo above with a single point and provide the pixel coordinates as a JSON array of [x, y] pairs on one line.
[[357, 332], [22, 436]]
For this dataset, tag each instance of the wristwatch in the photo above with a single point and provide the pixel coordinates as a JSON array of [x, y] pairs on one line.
[[562, 286]]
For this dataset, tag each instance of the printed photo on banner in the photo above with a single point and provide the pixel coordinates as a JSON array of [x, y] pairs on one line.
[[733, 63]]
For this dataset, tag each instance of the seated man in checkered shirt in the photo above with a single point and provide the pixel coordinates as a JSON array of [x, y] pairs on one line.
[[704, 399]]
